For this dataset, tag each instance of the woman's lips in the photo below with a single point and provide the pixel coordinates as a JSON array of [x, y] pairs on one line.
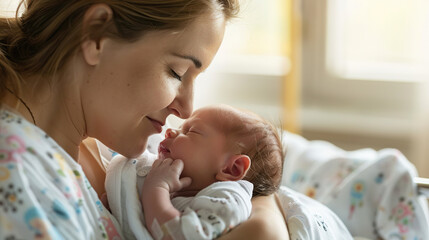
[[156, 124]]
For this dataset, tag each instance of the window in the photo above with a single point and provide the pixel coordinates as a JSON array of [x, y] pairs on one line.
[[366, 56], [364, 63], [8, 8], [377, 40], [250, 67]]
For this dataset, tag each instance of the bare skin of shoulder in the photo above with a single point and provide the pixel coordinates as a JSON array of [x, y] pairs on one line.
[[90, 160]]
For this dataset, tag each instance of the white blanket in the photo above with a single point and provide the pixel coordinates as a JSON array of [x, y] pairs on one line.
[[305, 217], [371, 191], [308, 219]]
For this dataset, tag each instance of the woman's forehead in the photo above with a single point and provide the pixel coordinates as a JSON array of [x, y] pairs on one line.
[[200, 39]]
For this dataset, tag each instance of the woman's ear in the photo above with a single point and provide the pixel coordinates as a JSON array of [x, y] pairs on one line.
[[94, 23], [235, 168]]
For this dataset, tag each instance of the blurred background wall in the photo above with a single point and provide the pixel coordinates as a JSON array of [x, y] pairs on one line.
[[352, 72], [252, 65], [364, 70]]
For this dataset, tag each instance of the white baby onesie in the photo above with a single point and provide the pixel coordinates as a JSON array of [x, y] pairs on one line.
[[212, 212]]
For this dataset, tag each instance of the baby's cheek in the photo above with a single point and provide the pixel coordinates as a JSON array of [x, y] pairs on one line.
[[185, 172]]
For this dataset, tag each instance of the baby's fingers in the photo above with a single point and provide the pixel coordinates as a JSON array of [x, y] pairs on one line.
[[157, 162], [160, 161], [185, 182], [178, 165]]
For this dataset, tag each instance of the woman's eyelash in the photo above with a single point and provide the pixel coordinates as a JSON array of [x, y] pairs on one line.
[[175, 75]]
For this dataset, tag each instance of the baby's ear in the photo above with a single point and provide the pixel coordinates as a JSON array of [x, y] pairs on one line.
[[235, 168]]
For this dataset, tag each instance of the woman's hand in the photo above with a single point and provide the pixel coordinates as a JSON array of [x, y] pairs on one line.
[[165, 174]]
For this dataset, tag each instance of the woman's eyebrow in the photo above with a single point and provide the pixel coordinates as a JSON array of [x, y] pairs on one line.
[[196, 62]]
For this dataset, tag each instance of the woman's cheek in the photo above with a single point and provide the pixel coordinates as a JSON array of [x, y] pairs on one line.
[[168, 93]]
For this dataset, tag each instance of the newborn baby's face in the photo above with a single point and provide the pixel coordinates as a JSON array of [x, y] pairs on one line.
[[200, 145]]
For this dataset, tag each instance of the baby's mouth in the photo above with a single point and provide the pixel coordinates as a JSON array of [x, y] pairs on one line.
[[163, 151]]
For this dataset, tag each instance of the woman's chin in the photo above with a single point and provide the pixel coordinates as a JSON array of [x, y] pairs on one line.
[[132, 152], [128, 148]]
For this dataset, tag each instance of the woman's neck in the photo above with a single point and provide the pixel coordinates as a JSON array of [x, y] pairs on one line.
[[56, 110]]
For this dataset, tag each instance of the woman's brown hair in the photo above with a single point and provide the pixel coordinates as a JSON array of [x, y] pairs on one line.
[[49, 32]]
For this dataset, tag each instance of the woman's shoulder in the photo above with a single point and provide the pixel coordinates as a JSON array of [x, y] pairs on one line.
[[17, 136], [14, 126], [47, 184], [21, 140], [27, 152]]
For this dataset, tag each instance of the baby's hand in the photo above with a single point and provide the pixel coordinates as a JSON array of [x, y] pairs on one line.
[[165, 173]]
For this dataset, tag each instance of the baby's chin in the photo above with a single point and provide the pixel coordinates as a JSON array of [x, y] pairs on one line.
[[185, 193]]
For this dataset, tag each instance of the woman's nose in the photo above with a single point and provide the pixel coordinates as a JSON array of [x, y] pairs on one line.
[[183, 104], [171, 133]]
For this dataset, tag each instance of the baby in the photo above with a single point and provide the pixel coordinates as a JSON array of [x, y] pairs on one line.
[[206, 174], [221, 155]]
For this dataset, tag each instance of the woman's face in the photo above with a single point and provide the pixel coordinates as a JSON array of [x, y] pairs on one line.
[[134, 86]]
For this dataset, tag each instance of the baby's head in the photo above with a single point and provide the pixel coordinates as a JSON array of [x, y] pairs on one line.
[[221, 143]]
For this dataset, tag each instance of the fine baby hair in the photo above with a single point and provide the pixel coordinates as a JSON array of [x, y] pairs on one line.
[[249, 134]]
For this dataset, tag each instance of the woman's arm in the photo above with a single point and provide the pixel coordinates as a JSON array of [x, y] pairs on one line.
[[265, 222]]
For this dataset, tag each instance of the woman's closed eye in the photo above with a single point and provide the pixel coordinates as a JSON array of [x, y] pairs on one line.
[[175, 75]]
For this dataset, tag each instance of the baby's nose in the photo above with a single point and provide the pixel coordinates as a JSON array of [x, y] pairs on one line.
[[171, 133]]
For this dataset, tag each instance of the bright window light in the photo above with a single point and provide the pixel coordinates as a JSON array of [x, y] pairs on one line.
[[378, 39], [8, 7], [260, 29]]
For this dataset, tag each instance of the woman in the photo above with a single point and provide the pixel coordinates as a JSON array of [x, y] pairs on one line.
[[112, 70]]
